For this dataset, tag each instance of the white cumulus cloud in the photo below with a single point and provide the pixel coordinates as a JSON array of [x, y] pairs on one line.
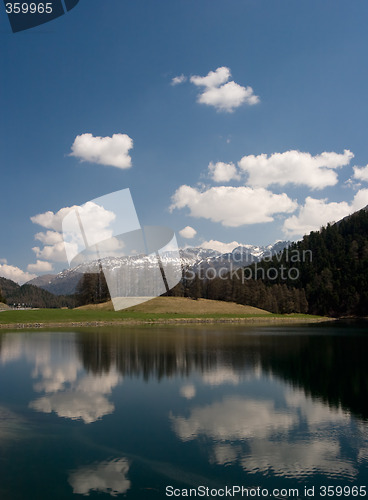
[[15, 274], [316, 213], [96, 224], [223, 172], [294, 167], [221, 93], [232, 206], [41, 266], [177, 80], [55, 253], [220, 246], [50, 220], [111, 151], [187, 232], [213, 79], [49, 237], [361, 173], [360, 200]]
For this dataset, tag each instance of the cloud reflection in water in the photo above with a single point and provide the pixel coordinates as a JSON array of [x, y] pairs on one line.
[[105, 477], [70, 392], [262, 438]]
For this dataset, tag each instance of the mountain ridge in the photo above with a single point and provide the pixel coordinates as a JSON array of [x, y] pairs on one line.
[[196, 258], [29, 295]]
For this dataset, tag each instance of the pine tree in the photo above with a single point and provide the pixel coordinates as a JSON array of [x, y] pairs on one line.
[[92, 289]]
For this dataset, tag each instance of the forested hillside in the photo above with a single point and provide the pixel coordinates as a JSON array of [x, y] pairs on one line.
[[32, 296], [331, 266], [233, 287], [325, 273]]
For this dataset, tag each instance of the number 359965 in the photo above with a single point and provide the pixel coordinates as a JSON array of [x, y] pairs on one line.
[[25, 8]]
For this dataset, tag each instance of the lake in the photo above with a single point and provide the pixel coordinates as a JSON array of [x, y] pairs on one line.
[[157, 412]]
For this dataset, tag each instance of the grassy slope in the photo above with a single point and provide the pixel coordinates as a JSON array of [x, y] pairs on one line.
[[160, 309], [181, 305]]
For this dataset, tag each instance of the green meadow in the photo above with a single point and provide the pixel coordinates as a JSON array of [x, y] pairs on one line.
[[70, 316]]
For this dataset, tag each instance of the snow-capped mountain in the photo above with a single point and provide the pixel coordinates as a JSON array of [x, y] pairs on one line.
[[195, 258], [239, 257]]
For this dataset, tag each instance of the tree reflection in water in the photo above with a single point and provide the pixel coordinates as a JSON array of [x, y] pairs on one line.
[[325, 365]]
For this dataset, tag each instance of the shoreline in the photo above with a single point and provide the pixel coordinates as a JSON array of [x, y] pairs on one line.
[[163, 321]]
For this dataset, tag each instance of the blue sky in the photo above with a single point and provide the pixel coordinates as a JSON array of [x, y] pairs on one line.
[[107, 69]]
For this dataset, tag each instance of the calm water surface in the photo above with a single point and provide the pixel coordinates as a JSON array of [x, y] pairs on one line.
[[127, 412]]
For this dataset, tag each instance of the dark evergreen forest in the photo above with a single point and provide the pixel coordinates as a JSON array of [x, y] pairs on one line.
[[335, 278], [32, 296], [325, 273]]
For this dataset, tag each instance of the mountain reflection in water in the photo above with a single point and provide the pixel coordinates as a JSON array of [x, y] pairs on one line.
[[333, 368], [132, 410]]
